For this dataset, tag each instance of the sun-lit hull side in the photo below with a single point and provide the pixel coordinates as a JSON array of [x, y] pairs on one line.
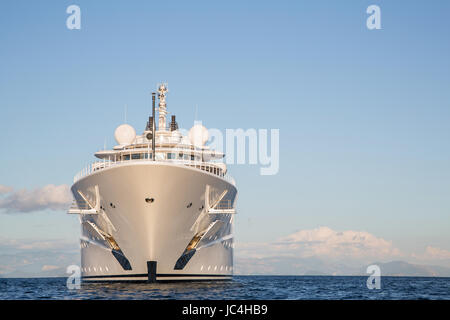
[[150, 211]]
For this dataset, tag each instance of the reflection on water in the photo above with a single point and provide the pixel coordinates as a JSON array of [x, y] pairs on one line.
[[241, 287], [163, 290]]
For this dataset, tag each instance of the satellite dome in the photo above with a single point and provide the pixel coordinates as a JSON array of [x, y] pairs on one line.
[[198, 135], [125, 134]]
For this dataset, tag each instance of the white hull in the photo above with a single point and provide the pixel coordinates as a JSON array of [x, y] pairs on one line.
[[155, 231]]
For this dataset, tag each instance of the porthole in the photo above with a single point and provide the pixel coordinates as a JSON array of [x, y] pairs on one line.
[[189, 205], [149, 200]]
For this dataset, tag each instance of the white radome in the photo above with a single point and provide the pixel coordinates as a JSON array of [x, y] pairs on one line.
[[125, 134], [198, 135]]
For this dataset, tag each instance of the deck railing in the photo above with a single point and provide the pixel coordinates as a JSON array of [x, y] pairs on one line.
[[205, 166], [223, 205], [82, 205]]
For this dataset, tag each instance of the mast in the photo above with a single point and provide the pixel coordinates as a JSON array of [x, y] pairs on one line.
[[162, 90], [153, 126]]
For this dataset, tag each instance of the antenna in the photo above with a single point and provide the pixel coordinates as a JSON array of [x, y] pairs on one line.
[[153, 127]]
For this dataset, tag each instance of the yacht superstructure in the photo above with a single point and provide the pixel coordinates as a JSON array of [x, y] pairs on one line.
[[158, 206]]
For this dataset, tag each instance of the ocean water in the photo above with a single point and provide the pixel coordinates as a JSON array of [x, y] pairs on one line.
[[241, 287]]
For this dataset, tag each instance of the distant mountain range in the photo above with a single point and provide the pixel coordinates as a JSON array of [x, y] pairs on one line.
[[315, 266], [59, 272], [401, 268]]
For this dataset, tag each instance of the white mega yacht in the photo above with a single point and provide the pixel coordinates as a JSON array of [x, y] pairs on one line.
[[158, 206]]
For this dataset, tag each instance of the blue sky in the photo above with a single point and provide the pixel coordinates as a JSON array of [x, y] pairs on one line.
[[363, 114]]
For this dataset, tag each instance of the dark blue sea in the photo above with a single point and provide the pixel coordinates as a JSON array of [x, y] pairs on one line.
[[241, 287]]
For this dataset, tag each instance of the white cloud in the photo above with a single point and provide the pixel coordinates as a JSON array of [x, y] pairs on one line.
[[315, 251], [437, 253], [433, 254], [5, 189], [323, 242], [48, 197], [37, 257], [26, 245], [41, 245], [326, 242], [49, 267]]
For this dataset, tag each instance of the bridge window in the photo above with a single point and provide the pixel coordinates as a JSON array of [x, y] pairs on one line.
[[160, 156]]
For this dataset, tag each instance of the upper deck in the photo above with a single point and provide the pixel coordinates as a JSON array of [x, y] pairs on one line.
[[179, 154], [217, 169], [167, 145]]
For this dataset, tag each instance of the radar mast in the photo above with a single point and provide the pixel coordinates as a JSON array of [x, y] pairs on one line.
[[162, 91]]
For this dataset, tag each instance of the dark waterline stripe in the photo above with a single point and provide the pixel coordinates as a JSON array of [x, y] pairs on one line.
[[163, 275]]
